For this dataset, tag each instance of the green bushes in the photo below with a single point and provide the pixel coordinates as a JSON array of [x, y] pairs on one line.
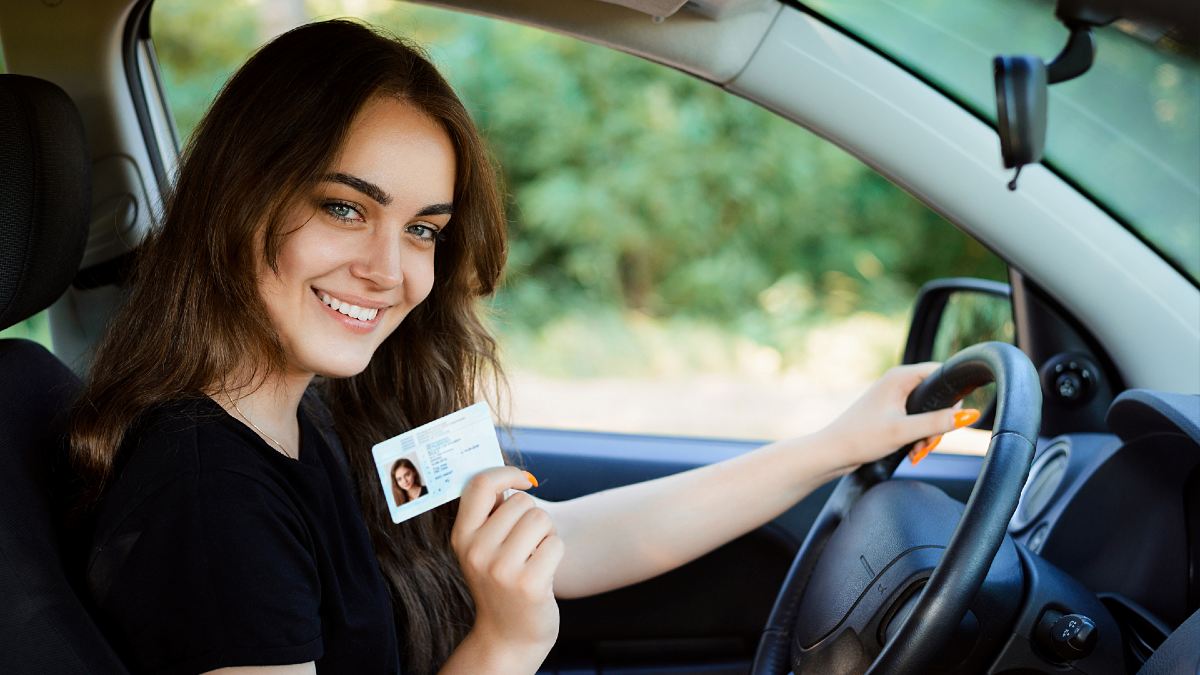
[[634, 188]]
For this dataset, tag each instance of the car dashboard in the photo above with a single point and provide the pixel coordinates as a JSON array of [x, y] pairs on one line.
[[1120, 512]]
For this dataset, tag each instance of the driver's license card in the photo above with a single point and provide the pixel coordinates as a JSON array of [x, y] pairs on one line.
[[426, 467]]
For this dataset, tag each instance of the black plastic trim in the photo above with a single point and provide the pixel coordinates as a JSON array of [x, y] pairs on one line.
[[931, 303], [152, 52], [114, 271], [137, 27], [1045, 329]]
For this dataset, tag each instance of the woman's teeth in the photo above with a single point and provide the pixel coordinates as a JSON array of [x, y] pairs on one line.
[[352, 311]]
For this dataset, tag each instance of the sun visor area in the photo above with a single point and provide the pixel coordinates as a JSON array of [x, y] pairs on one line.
[[663, 8]]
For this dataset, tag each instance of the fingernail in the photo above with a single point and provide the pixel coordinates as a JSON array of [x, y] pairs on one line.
[[965, 417], [531, 479], [915, 455]]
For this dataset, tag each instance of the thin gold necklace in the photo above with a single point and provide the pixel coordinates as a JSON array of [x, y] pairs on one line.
[[256, 427]]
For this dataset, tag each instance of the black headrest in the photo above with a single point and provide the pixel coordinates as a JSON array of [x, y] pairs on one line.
[[45, 195]]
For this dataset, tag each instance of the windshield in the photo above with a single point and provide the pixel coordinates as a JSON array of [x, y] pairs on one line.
[[1127, 132]]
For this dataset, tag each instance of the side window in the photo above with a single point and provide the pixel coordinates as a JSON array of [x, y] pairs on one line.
[[37, 327], [682, 261]]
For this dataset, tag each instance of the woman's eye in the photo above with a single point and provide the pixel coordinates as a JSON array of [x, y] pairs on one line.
[[341, 211], [425, 232]]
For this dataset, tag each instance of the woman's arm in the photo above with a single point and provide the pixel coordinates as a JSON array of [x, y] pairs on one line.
[[480, 655], [628, 534], [621, 536]]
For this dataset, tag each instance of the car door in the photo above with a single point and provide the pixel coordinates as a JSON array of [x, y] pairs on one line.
[[707, 615]]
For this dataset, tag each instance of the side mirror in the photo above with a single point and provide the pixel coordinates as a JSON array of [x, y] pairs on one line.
[[951, 314]]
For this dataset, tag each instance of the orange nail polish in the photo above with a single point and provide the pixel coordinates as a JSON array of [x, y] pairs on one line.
[[531, 479], [965, 417], [917, 455]]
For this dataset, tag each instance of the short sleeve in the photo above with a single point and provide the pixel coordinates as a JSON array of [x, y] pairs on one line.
[[215, 570]]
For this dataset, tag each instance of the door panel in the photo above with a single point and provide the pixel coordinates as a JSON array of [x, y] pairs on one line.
[[704, 617]]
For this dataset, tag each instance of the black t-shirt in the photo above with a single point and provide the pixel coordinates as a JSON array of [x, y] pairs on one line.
[[212, 549]]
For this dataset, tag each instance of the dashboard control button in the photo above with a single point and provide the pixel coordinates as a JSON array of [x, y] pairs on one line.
[[1066, 637], [1069, 386], [1070, 379]]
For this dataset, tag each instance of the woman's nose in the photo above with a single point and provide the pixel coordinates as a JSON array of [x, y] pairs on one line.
[[381, 260]]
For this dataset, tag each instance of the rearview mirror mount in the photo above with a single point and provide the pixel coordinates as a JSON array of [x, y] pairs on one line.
[[1021, 83], [1020, 110]]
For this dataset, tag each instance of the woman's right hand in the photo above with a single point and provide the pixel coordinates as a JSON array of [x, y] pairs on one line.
[[509, 552]]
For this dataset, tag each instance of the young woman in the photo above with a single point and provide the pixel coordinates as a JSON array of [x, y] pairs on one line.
[[406, 482], [311, 291]]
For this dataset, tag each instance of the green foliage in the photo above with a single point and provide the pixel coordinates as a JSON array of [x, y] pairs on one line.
[[199, 45], [970, 318], [634, 188], [640, 187], [36, 328]]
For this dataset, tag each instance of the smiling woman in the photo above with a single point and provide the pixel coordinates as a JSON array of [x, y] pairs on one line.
[[300, 242], [333, 228], [683, 262], [361, 251], [406, 482]]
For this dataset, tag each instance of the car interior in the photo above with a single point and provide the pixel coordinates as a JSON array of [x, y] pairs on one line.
[[1072, 545]]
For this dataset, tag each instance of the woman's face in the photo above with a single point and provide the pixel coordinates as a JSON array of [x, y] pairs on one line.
[[360, 253], [404, 477]]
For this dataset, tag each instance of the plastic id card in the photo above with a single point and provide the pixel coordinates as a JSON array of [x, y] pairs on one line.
[[426, 467]]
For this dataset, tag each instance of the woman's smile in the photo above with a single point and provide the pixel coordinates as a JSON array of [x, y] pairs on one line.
[[356, 314]]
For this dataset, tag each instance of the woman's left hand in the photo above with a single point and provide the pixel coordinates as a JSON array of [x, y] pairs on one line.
[[878, 423]]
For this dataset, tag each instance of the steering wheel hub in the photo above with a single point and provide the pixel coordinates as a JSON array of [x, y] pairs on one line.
[[873, 568], [890, 592]]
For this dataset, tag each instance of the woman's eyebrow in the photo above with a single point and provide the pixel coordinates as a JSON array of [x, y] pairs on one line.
[[375, 192], [366, 187], [437, 210]]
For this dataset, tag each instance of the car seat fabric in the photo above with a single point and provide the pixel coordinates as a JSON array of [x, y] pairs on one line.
[[44, 627], [44, 206], [1179, 654], [45, 195]]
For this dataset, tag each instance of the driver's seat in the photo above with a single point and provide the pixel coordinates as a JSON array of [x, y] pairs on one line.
[[44, 204], [1179, 653]]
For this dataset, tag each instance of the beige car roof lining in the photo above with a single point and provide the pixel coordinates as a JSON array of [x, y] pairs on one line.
[[661, 8], [711, 39]]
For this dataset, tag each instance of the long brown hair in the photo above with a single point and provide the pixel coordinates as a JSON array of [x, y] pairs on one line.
[[194, 315]]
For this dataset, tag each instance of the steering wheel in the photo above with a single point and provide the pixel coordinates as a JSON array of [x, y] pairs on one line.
[[912, 643]]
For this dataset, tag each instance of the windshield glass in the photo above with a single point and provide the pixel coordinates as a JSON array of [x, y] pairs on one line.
[[1127, 132]]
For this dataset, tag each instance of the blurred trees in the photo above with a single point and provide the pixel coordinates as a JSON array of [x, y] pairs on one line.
[[636, 184], [633, 187]]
